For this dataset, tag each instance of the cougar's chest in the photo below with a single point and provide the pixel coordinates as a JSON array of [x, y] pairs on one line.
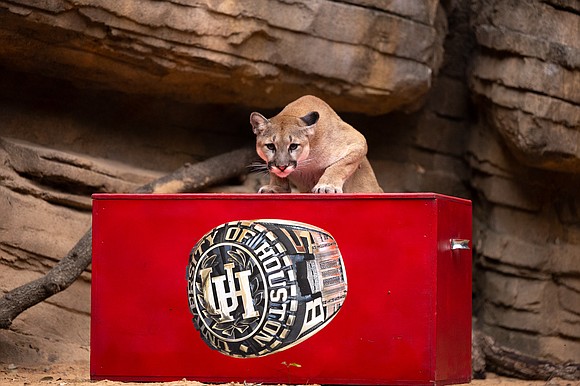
[[304, 178], [310, 170]]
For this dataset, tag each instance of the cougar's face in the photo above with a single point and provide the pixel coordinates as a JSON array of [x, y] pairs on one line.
[[283, 141], [282, 152]]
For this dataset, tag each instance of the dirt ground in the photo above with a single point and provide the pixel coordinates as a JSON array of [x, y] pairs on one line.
[[77, 374]]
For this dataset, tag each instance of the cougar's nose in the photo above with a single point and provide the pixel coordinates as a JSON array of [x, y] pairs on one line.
[[282, 167]]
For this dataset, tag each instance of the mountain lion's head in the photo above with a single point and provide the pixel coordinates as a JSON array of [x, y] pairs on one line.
[[283, 141]]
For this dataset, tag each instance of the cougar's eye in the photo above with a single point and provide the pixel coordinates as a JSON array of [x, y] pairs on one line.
[[293, 146], [271, 146]]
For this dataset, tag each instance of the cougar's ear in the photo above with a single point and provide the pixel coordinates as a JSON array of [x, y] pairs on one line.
[[257, 120], [310, 119]]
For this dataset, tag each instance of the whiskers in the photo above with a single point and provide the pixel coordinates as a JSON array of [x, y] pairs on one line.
[[262, 168], [304, 163], [258, 167]]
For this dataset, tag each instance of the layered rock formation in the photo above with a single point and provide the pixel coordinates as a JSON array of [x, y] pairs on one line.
[[525, 156], [45, 206], [475, 99], [371, 57], [528, 71]]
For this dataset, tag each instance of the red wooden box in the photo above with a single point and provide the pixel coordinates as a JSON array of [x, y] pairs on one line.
[[406, 318]]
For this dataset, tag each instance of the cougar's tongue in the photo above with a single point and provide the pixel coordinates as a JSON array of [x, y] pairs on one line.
[[283, 171]]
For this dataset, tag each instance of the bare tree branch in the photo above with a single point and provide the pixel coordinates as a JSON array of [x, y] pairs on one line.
[[505, 361], [189, 178]]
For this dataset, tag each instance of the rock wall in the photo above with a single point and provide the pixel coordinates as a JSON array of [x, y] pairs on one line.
[[525, 156], [474, 99], [527, 72], [381, 58]]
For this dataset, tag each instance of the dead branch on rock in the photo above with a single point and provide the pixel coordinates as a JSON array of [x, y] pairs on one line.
[[196, 177], [189, 178], [505, 361]]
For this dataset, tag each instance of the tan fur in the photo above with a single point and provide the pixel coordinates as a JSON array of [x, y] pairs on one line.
[[308, 145]]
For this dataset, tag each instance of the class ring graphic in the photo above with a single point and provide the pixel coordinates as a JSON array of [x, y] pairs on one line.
[[262, 286]]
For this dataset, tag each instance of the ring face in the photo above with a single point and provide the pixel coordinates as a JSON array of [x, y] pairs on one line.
[[259, 287], [230, 292]]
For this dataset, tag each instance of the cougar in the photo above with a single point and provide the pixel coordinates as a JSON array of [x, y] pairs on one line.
[[309, 145]]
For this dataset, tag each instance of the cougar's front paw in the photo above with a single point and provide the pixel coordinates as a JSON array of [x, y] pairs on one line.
[[326, 188], [272, 189]]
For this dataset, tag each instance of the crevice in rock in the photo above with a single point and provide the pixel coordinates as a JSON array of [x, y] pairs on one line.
[[563, 6]]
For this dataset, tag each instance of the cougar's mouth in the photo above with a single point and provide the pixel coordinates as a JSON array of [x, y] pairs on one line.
[[282, 171]]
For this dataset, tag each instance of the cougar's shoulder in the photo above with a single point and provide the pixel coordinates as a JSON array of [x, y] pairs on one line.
[[307, 104]]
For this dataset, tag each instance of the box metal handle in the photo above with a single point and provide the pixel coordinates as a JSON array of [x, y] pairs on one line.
[[459, 244]]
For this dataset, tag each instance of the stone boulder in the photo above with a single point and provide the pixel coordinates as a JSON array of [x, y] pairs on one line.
[[528, 70], [524, 154], [370, 56]]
